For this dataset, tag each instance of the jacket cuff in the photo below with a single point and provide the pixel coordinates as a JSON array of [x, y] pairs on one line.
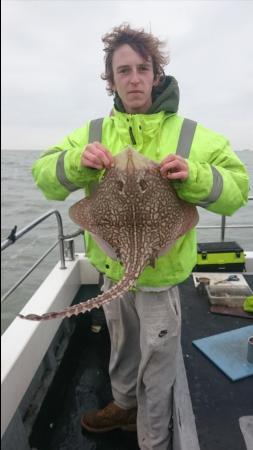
[[75, 172]]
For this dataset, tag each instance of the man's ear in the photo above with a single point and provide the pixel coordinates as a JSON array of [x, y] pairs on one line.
[[112, 86]]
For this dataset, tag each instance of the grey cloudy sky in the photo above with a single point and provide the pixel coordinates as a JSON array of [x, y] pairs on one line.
[[52, 58]]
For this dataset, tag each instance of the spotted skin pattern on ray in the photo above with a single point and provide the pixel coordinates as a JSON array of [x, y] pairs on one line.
[[134, 215]]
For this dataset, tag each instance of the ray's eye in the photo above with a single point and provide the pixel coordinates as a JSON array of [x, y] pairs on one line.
[[120, 186], [143, 185]]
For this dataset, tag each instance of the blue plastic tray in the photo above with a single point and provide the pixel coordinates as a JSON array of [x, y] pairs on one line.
[[228, 351]]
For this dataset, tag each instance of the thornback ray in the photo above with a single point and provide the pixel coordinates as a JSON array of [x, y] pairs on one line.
[[134, 215]]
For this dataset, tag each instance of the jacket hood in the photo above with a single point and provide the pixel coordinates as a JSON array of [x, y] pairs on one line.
[[165, 97]]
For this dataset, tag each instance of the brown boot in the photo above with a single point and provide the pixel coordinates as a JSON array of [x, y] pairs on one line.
[[110, 418]]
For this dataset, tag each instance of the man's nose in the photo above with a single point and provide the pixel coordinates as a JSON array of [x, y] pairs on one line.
[[134, 77]]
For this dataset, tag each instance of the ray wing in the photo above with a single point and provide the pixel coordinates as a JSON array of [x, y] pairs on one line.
[[81, 214], [189, 219]]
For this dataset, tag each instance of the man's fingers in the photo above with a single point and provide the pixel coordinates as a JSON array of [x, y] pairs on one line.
[[103, 158], [177, 175], [108, 158], [174, 167], [96, 156], [168, 158], [90, 160]]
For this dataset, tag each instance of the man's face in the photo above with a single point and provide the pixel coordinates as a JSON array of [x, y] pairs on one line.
[[133, 79]]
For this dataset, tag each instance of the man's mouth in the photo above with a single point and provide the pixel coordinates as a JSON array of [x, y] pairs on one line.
[[135, 92]]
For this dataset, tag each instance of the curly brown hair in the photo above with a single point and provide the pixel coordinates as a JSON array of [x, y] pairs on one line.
[[141, 42]]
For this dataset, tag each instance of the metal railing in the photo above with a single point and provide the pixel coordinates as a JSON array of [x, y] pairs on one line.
[[223, 227], [14, 236]]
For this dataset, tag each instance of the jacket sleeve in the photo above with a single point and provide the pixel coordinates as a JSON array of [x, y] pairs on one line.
[[218, 180], [58, 171]]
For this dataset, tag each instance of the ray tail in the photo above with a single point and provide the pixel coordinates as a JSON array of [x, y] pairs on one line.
[[112, 294]]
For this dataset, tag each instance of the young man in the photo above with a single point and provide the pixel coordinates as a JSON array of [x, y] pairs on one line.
[[145, 324]]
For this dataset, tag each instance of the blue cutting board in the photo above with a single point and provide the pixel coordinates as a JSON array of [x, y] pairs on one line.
[[228, 351]]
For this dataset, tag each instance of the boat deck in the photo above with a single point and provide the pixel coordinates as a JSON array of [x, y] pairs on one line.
[[217, 401], [82, 383]]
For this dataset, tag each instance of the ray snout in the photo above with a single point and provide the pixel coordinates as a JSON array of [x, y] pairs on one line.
[[130, 161]]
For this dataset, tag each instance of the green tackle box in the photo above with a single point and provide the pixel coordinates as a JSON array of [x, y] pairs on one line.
[[220, 257]]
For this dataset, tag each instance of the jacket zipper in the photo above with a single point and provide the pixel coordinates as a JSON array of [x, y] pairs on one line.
[[132, 136]]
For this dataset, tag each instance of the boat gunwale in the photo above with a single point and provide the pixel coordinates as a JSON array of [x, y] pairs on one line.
[[25, 343]]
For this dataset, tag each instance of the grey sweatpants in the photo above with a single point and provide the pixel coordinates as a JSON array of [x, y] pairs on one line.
[[145, 330]]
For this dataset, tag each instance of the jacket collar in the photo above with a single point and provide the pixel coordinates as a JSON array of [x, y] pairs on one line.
[[165, 97]]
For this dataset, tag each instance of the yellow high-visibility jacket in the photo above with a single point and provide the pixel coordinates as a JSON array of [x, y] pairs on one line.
[[217, 180]]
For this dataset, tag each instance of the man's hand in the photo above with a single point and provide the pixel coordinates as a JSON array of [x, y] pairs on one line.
[[174, 167], [96, 156]]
